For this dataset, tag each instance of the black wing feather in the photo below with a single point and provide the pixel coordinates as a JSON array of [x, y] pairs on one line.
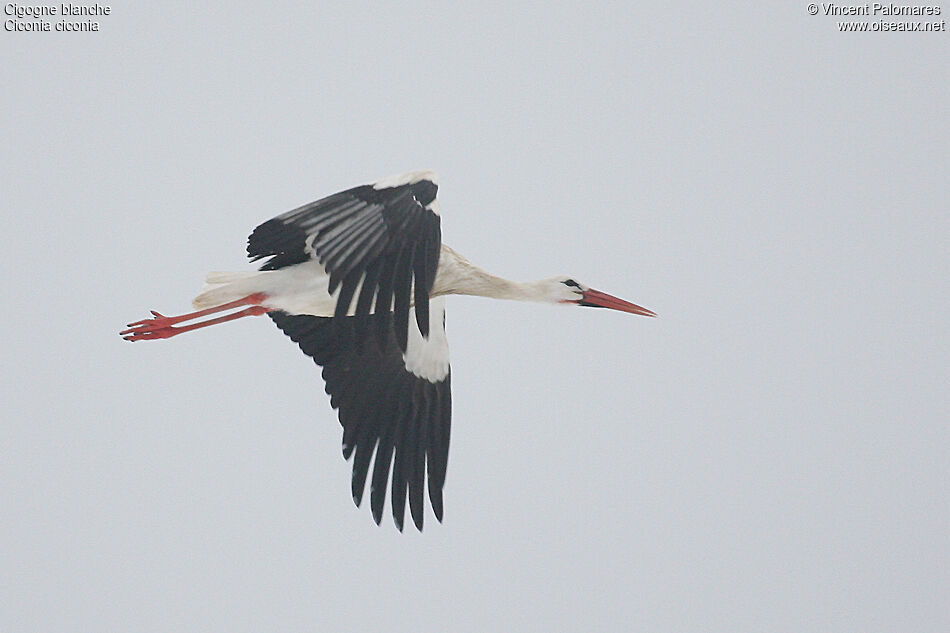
[[384, 458], [353, 234], [402, 291], [386, 411]]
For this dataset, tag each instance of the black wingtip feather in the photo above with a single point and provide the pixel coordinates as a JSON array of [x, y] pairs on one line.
[[435, 499], [398, 502], [285, 244], [364, 454], [417, 439], [384, 454]]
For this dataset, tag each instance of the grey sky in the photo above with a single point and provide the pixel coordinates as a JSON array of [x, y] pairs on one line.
[[771, 454]]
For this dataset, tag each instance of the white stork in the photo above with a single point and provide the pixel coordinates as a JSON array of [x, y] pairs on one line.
[[358, 280]]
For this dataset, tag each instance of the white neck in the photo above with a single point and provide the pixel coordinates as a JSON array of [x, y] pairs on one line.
[[459, 276]]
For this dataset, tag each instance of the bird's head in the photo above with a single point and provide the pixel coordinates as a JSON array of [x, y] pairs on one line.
[[566, 290]]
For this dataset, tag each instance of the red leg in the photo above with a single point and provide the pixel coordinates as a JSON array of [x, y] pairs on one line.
[[161, 325], [161, 320], [147, 332]]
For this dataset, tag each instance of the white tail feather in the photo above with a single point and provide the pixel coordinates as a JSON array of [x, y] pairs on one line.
[[219, 277], [224, 287]]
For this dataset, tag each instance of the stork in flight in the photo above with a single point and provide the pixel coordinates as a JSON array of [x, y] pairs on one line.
[[358, 280]]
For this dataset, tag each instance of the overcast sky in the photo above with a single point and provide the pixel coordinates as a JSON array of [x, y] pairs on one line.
[[771, 454]]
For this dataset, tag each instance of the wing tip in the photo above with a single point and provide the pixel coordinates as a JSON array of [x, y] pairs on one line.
[[418, 516]]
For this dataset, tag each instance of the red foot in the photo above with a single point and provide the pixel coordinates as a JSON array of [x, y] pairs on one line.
[[160, 321], [147, 336], [148, 329], [161, 325]]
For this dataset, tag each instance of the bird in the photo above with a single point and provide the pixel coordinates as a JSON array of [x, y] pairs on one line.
[[358, 281]]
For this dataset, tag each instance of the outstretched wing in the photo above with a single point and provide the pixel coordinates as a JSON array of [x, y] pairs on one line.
[[397, 403], [383, 239]]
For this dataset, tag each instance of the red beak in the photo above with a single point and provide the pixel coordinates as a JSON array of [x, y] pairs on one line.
[[597, 299]]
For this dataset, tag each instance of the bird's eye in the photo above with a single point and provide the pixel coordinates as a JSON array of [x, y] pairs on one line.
[[571, 283]]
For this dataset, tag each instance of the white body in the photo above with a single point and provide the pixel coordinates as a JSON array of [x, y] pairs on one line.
[[302, 288]]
